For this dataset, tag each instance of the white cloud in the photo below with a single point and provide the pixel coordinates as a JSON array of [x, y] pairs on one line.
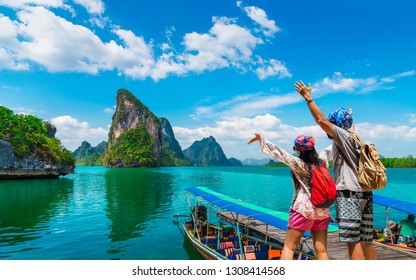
[[339, 83], [79, 50], [249, 105], [39, 37], [24, 3], [92, 6], [72, 132], [226, 44], [375, 132], [108, 110], [412, 118], [268, 26], [272, 68], [232, 133]]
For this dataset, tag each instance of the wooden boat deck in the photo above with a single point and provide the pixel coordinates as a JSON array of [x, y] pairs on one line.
[[336, 250]]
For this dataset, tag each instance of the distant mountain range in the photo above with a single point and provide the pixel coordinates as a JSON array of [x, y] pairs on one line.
[[253, 161]]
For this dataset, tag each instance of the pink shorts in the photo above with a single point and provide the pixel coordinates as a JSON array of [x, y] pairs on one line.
[[299, 222]]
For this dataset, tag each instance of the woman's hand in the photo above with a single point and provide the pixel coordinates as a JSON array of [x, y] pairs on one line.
[[256, 137]]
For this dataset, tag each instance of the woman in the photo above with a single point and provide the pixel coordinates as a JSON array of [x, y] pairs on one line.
[[304, 216]]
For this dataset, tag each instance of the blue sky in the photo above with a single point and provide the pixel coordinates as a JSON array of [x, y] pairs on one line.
[[222, 68]]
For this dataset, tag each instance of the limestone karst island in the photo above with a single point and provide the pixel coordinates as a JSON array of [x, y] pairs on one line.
[[137, 138]]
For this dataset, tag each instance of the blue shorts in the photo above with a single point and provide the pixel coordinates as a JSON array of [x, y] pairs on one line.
[[355, 216]]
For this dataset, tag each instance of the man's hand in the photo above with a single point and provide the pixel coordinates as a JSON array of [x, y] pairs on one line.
[[304, 91]]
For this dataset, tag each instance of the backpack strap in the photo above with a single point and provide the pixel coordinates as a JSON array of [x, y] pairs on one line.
[[297, 181], [357, 139]]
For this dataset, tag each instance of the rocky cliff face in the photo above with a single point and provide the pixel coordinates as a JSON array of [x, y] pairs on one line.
[[172, 154], [131, 113], [135, 134], [31, 166], [207, 152], [168, 138]]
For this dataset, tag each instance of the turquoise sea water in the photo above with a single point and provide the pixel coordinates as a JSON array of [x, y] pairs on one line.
[[112, 213]]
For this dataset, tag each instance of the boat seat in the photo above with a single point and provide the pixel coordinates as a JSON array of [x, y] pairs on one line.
[[236, 244], [225, 245], [229, 251], [209, 240], [250, 256], [236, 251], [262, 248], [249, 249], [274, 254], [262, 255], [233, 238], [235, 257], [226, 252]]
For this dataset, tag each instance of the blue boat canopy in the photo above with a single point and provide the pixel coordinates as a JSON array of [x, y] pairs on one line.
[[408, 207], [271, 217]]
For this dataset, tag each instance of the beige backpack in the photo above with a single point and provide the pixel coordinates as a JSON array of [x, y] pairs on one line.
[[371, 171]]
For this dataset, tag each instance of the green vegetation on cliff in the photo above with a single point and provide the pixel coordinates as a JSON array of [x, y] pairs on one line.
[[28, 135], [275, 164], [86, 155], [132, 148], [170, 158], [92, 160]]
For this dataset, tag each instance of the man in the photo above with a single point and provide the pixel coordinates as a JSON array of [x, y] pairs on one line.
[[354, 204], [407, 228]]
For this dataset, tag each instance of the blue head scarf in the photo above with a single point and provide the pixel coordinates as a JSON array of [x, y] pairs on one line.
[[340, 117]]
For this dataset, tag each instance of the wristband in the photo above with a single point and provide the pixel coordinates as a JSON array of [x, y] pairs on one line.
[[309, 101]]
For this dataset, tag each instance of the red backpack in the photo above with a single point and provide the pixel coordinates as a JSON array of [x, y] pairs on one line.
[[323, 188]]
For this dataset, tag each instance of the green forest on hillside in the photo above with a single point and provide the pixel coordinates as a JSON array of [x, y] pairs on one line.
[[28, 135], [133, 147]]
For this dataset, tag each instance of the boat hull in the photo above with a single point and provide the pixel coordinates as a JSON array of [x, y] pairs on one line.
[[205, 251]]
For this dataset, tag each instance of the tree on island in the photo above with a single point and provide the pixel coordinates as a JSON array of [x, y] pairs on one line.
[[30, 135]]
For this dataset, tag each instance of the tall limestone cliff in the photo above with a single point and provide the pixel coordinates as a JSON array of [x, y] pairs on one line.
[[135, 137], [172, 151], [208, 152]]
